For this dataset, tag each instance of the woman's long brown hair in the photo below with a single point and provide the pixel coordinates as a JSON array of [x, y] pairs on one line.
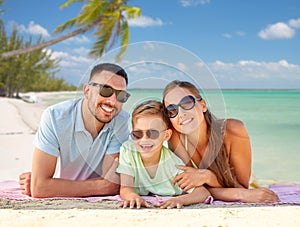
[[216, 157]]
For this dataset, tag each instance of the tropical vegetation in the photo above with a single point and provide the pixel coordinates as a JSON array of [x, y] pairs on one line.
[[27, 66]]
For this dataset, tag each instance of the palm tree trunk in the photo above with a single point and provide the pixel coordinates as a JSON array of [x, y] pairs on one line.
[[48, 43]]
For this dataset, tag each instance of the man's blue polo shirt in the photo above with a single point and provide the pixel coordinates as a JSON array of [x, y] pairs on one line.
[[62, 134]]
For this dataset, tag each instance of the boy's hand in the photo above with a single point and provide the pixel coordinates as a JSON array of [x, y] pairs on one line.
[[170, 203], [137, 202]]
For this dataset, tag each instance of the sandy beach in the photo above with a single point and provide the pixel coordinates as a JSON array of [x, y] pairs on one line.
[[18, 123]]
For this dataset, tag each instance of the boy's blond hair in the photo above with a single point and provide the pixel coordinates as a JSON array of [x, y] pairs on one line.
[[150, 108]]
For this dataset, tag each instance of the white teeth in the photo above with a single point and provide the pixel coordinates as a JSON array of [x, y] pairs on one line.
[[146, 146], [107, 108], [184, 122]]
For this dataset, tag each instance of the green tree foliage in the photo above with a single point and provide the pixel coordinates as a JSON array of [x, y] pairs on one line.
[[33, 71]]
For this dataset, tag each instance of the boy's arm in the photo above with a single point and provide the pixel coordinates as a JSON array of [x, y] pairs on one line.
[[198, 195], [128, 194]]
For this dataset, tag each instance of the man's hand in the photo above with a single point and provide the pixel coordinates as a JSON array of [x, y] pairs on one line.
[[109, 169], [24, 181]]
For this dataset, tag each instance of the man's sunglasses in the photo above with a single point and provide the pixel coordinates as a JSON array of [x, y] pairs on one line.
[[150, 133], [107, 91], [186, 103]]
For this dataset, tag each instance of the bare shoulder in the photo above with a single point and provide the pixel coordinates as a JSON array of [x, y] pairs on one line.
[[236, 127]]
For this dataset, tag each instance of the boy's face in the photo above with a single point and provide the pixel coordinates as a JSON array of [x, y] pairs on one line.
[[143, 127]]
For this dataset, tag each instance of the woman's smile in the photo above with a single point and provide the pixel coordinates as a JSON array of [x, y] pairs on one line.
[[186, 121]]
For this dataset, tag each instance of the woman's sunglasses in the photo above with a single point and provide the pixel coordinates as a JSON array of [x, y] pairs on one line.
[[150, 133], [107, 91], [186, 103]]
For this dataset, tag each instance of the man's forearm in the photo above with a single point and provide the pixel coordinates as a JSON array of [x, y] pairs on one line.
[[56, 187]]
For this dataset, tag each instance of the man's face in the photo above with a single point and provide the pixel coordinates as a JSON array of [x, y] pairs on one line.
[[104, 109]]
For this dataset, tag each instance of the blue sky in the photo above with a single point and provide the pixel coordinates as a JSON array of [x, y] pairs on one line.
[[244, 44]]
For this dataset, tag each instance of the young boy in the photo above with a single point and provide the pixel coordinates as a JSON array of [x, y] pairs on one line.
[[147, 167]]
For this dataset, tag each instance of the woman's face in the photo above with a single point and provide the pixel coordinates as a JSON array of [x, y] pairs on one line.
[[186, 121]]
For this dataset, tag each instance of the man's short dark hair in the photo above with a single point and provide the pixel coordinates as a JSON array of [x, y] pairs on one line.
[[116, 69]]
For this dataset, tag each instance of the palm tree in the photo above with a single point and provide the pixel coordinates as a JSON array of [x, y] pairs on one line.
[[1, 3], [108, 17]]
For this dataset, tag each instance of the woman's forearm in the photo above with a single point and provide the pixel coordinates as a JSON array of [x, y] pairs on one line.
[[227, 194], [212, 180], [259, 195]]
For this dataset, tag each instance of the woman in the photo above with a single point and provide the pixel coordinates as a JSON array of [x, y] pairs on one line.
[[217, 152]]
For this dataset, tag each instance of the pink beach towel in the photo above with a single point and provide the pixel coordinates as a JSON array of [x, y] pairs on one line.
[[288, 194]]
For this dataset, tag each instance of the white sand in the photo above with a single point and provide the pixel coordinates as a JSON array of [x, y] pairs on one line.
[[18, 122], [246, 216]]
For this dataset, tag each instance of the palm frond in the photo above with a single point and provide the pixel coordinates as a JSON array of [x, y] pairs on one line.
[[103, 35], [131, 12], [124, 34], [69, 2], [65, 26], [90, 12]]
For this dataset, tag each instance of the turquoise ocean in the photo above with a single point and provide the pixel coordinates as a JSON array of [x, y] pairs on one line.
[[272, 118]]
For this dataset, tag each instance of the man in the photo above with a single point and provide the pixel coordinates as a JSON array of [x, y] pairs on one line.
[[80, 139]]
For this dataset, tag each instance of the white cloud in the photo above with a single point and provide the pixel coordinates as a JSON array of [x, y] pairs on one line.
[[295, 23], [81, 51], [226, 35], [181, 66], [279, 30], [69, 59], [82, 39], [240, 33], [73, 64], [187, 3], [229, 36], [32, 29], [249, 70], [145, 21]]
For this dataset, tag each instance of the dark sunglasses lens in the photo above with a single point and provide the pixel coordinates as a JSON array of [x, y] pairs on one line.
[[137, 135], [106, 91], [152, 134], [187, 102], [123, 96], [172, 110]]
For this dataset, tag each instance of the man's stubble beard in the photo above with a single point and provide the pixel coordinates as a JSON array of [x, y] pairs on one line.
[[101, 120]]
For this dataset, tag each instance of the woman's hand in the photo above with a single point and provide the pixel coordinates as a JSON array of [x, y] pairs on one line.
[[192, 177], [135, 201], [259, 195]]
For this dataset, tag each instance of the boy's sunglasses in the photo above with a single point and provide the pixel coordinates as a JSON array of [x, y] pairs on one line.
[[107, 91], [150, 133], [186, 103]]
